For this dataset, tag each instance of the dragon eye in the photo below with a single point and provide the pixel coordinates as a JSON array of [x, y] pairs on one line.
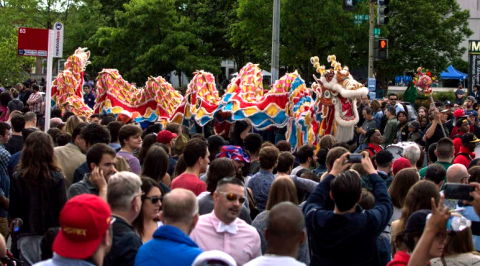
[[327, 94]]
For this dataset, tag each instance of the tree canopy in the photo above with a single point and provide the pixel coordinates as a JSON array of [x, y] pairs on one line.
[[154, 37]]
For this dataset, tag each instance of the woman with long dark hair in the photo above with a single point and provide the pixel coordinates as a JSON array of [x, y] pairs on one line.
[[37, 191], [155, 166], [418, 197], [402, 131], [148, 221], [148, 141]]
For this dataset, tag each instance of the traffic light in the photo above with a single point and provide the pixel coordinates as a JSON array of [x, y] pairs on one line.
[[382, 12], [381, 49], [349, 4]]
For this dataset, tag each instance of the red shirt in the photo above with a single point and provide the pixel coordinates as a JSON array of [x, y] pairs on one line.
[[457, 142], [400, 258], [376, 148], [462, 159], [224, 126], [190, 182]]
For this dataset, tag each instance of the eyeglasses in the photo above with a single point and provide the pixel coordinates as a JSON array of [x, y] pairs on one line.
[[232, 197], [155, 199], [393, 99], [138, 195]]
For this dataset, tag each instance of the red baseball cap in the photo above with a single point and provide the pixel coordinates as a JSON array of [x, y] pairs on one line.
[[165, 136], [84, 220], [400, 164], [459, 113]]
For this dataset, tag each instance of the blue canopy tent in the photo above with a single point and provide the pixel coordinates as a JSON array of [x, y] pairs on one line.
[[452, 73]]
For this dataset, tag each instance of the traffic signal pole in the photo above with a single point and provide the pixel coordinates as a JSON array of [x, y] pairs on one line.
[[371, 38], [275, 41]]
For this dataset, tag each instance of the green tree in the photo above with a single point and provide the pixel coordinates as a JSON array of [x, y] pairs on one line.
[[150, 38], [426, 34], [307, 28], [13, 68], [80, 18], [211, 21]]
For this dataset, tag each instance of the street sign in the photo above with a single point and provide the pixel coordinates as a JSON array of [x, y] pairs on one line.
[[32, 42], [359, 19], [372, 82], [376, 32], [58, 46]]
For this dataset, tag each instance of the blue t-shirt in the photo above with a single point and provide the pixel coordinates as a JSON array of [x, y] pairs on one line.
[[459, 92], [89, 100]]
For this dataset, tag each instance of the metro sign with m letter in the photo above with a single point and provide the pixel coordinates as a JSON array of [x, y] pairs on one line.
[[32, 42], [474, 47]]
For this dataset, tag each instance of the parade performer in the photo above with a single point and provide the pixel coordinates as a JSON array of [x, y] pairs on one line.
[[337, 92], [424, 82]]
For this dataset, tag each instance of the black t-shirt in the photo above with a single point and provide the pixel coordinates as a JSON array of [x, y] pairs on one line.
[[404, 133], [14, 144], [26, 96], [437, 135], [449, 125]]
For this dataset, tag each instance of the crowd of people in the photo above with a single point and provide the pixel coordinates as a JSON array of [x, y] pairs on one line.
[[102, 190]]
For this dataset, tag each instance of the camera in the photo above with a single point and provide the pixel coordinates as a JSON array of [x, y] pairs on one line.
[[355, 158]]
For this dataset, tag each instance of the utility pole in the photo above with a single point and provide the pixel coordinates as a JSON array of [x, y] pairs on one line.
[[276, 40], [371, 38]]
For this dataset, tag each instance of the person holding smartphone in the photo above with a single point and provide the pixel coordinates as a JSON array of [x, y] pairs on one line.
[[346, 226]]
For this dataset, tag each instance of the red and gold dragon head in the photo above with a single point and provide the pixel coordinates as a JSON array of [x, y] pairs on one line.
[[337, 92]]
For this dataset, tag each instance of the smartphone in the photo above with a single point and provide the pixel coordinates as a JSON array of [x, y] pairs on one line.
[[458, 191], [355, 158]]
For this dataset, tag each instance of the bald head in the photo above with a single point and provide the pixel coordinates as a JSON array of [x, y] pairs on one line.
[[285, 225], [179, 206], [456, 173], [54, 122]]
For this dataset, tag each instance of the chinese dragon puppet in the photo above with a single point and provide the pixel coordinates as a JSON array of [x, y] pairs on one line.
[[337, 92], [201, 100], [67, 86], [156, 102], [300, 109], [244, 99]]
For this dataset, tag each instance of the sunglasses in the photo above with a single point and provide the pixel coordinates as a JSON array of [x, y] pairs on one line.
[[233, 197], [155, 199]]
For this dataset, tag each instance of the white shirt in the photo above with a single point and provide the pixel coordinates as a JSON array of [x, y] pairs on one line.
[[296, 169], [274, 260]]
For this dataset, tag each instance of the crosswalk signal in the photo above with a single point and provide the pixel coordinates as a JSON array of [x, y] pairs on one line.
[[382, 45], [381, 49], [382, 12]]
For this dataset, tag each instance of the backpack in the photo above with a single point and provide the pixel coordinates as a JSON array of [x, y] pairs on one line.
[[372, 150], [463, 154], [457, 136], [372, 158]]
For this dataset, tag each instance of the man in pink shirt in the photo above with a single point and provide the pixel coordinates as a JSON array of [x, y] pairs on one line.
[[196, 158], [223, 230]]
